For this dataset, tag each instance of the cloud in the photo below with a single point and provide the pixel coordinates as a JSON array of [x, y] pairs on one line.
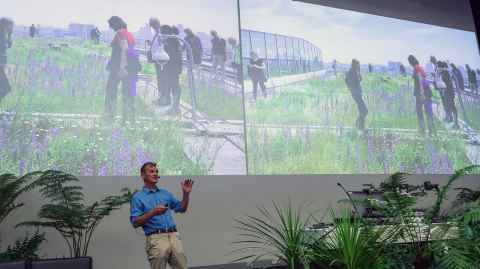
[[344, 35]]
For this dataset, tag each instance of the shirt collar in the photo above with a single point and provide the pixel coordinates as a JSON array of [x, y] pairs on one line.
[[150, 190]]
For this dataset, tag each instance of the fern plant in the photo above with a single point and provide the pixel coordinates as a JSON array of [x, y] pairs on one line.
[[11, 187], [420, 235], [23, 249], [67, 213], [462, 252]]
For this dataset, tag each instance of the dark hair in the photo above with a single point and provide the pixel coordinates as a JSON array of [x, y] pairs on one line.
[[154, 23], [116, 23], [175, 30], [355, 64], [412, 60], [6, 25], [188, 31], [165, 29], [442, 64], [145, 165]]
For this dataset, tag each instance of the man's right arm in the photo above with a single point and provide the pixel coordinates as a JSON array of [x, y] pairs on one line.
[[138, 216], [143, 219]]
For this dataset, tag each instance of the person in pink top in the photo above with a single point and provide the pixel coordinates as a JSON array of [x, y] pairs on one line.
[[124, 66], [423, 96]]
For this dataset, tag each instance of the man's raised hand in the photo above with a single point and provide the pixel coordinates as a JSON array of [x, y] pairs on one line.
[[187, 185]]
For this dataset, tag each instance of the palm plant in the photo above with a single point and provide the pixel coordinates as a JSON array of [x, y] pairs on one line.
[[353, 243], [282, 234], [67, 212]]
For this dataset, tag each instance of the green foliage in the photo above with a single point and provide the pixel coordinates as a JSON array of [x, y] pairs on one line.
[[11, 187], [67, 213], [463, 251], [24, 249], [281, 234], [353, 244], [304, 150]]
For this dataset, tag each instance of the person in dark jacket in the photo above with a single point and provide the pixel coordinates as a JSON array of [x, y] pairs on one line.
[[6, 29], [164, 98], [449, 93], [32, 31], [219, 55], [458, 78], [472, 80], [256, 71], [353, 80], [170, 74], [423, 96], [95, 35], [195, 44]]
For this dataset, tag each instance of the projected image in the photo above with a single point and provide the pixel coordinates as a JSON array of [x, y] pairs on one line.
[[99, 87], [335, 91]]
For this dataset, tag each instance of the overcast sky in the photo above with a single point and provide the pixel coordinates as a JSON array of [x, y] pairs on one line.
[[200, 15], [344, 35]]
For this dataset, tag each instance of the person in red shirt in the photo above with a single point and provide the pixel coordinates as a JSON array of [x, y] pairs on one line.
[[123, 67]]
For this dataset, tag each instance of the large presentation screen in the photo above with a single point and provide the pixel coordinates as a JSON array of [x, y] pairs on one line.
[[335, 91], [96, 88], [99, 87]]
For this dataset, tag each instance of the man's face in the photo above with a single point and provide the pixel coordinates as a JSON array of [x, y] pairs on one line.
[[151, 175]]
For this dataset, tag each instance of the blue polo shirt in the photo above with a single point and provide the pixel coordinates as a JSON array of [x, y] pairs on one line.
[[147, 199]]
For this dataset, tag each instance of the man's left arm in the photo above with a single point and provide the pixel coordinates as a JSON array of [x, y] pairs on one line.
[[187, 186]]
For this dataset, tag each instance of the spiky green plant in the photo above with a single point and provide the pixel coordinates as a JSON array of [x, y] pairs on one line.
[[67, 213], [281, 234], [353, 243]]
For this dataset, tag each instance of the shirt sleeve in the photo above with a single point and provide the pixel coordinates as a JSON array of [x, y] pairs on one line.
[[136, 208], [175, 204]]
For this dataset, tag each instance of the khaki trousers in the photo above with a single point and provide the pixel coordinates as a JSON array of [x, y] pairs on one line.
[[165, 248]]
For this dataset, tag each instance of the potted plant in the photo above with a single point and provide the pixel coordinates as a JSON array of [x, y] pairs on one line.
[[281, 234], [67, 213]]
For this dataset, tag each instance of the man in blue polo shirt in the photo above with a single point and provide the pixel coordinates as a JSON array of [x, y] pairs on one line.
[[151, 208]]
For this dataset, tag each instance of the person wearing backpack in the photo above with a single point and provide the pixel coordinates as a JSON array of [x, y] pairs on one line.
[[170, 67], [423, 96], [353, 79], [124, 66], [159, 57], [440, 86]]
